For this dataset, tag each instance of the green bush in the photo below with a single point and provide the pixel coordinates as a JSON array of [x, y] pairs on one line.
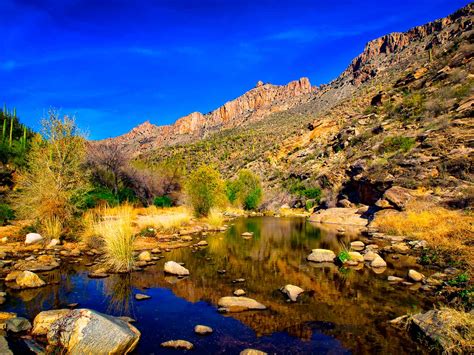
[[6, 213], [231, 191], [297, 187], [249, 189], [162, 201], [309, 205], [205, 189], [126, 194], [99, 196], [396, 143]]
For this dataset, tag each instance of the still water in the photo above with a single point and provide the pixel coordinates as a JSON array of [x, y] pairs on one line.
[[344, 310]]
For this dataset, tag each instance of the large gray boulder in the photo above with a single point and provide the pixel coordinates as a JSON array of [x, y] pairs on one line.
[[292, 291], [84, 331]]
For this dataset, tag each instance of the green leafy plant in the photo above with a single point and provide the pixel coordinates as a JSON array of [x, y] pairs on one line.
[[6, 213], [396, 143], [162, 201]]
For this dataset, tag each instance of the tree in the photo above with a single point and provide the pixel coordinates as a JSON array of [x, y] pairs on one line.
[[249, 189], [54, 180], [205, 189], [107, 161]]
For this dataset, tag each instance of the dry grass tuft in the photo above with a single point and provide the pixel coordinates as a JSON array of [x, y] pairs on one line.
[[440, 227], [116, 230], [52, 227], [215, 218], [167, 220]]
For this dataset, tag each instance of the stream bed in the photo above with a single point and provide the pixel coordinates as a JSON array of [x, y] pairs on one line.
[[344, 310]]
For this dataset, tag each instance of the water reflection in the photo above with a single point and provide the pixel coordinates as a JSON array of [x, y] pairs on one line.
[[343, 308]]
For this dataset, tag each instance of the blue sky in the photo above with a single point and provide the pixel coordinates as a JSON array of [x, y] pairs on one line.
[[115, 64]]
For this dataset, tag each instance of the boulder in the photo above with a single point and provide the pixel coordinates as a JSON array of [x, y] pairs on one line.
[[342, 216], [18, 324], [53, 243], [172, 267], [144, 256], [378, 262], [43, 320], [178, 344], [414, 275], [32, 238], [12, 276], [4, 317], [398, 197], [4, 348], [447, 328], [233, 304], [28, 279], [84, 331], [202, 330], [321, 256], [292, 291]]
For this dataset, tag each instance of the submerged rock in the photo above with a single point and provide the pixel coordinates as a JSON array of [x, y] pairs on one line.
[[321, 256], [237, 304], [292, 291], [202, 330], [178, 344], [172, 267], [32, 238], [84, 331]]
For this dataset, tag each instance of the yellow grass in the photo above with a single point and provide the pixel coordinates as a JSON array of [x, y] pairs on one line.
[[215, 218], [52, 227], [440, 227], [167, 220], [116, 230]]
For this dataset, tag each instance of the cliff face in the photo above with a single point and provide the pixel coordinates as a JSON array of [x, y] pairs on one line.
[[433, 34], [252, 106]]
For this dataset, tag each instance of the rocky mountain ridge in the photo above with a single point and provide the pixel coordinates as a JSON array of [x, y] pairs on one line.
[[252, 106]]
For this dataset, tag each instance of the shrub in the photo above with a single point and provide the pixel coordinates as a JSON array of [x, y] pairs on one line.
[[396, 143], [99, 197], [6, 213], [54, 182], [246, 189], [52, 227], [298, 187], [231, 191], [162, 201], [205, 189], [116, 231]]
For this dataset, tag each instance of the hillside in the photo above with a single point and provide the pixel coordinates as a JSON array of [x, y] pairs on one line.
[[398, 115]]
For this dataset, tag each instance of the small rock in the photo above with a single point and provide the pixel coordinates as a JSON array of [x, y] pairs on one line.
[[53, 243], [172, 267], [28, 279], [370, 256], [32, 238], [415, 275], [378, 262], [401, 248], [321, 256], [252, 352], [202, 330], [141, 296], [394, 279], [144, 256], [357, 245], [221, 271], [356, 256], [178, 344], [156, 251], [18, 324], [233, 304], [4, 348], [239, 292], [238, 281], [292, 291], [202, 243]]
